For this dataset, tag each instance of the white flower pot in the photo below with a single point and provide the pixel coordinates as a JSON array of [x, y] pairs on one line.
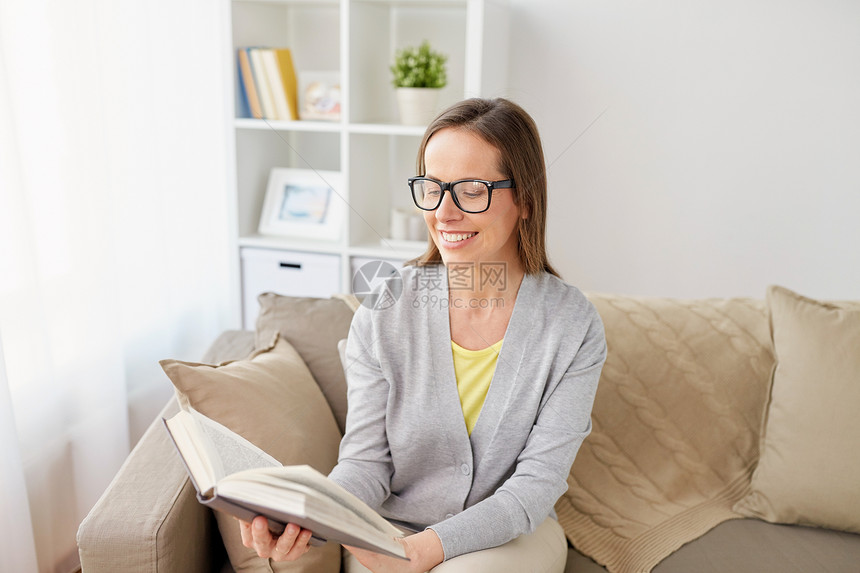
[[417, 105]]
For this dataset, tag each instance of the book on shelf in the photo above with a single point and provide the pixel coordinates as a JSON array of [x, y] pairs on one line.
[[247, 87], [233, 475], [273, 75], [261, 80], [289, 83], [268, 83]]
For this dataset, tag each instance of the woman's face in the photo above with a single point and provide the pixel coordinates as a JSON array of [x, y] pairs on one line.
[[452, 154]]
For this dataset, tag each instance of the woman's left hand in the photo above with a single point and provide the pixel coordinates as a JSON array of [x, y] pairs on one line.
[[424, 551]]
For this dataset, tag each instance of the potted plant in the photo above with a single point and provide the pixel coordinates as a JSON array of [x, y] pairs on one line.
[[419, 74]]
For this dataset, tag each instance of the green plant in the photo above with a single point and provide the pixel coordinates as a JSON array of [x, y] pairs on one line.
[[419, 67]]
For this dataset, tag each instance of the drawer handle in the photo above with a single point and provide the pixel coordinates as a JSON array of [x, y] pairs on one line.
[[291, 266]]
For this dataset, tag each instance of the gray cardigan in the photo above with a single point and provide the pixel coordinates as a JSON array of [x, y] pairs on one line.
[[406, 451]]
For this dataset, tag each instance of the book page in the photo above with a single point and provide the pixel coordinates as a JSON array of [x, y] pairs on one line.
[[185, 433], [307, 476], [298, 501], [230, 452]]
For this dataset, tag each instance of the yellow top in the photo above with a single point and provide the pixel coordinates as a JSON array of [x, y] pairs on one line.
[[474, 371]]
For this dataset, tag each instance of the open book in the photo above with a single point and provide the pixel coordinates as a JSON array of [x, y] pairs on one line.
[[233, 475]]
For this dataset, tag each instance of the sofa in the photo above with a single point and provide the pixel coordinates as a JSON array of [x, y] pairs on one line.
[[724, 439]]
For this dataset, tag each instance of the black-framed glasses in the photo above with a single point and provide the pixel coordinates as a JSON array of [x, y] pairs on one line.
[[469, 195]]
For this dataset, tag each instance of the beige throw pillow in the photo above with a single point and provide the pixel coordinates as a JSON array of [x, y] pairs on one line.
[[809, 471], [313, 326], [272, 400]]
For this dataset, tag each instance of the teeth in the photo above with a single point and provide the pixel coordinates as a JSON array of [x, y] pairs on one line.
[[451, 238]]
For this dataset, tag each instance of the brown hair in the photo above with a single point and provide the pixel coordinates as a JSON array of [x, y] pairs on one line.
[[507, 127]]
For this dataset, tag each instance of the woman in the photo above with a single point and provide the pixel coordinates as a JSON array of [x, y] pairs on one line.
[[473, 469]]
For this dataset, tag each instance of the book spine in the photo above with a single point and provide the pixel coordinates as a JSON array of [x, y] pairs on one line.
[[264, 90], [249, 90], [273, 73], [288, 79]]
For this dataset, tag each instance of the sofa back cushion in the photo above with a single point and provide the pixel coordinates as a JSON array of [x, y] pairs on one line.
[[313, 326], [675, 426]]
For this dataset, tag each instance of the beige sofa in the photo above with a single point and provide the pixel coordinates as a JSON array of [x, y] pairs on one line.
[[664, 482]]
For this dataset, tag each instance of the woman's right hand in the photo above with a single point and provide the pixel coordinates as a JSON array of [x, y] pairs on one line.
[[291, 545]]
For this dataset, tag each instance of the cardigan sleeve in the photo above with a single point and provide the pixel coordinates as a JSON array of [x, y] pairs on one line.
[[364, 465], [527, 497]]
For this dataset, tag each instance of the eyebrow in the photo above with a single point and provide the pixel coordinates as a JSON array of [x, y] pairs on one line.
[[459, 179]]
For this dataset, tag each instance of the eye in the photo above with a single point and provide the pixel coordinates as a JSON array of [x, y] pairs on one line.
[[471, 189]]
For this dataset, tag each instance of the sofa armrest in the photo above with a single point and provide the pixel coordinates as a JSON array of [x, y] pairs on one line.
[[149, 518]]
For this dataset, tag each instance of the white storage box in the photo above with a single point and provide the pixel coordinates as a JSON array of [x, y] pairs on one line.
[[285, 272]]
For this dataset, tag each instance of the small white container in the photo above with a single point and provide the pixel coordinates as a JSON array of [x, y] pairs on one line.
[[417, 105], [417, 227], [399, 228]]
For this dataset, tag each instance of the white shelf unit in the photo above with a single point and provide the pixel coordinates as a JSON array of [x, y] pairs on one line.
[[368, 146]]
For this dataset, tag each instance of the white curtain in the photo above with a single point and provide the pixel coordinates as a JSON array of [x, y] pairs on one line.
[[113, 243]]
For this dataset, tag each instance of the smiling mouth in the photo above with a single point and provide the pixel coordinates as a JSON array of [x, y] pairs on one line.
[[456, 237]]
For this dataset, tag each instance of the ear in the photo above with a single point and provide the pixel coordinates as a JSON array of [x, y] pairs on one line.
[[524, 209]]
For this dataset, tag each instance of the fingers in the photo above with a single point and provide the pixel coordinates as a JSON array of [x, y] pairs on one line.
[[245, 529], [262, 540], [291, 545]]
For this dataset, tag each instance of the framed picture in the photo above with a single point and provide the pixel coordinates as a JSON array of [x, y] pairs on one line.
[[303, 203], [319, 95]]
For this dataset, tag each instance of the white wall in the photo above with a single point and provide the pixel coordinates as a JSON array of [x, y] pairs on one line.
[[727, 157]]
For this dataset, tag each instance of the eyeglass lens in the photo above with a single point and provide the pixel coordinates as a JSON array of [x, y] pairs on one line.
[[473, 196]]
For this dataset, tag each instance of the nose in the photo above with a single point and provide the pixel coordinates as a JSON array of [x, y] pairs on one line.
[[447, 209]]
